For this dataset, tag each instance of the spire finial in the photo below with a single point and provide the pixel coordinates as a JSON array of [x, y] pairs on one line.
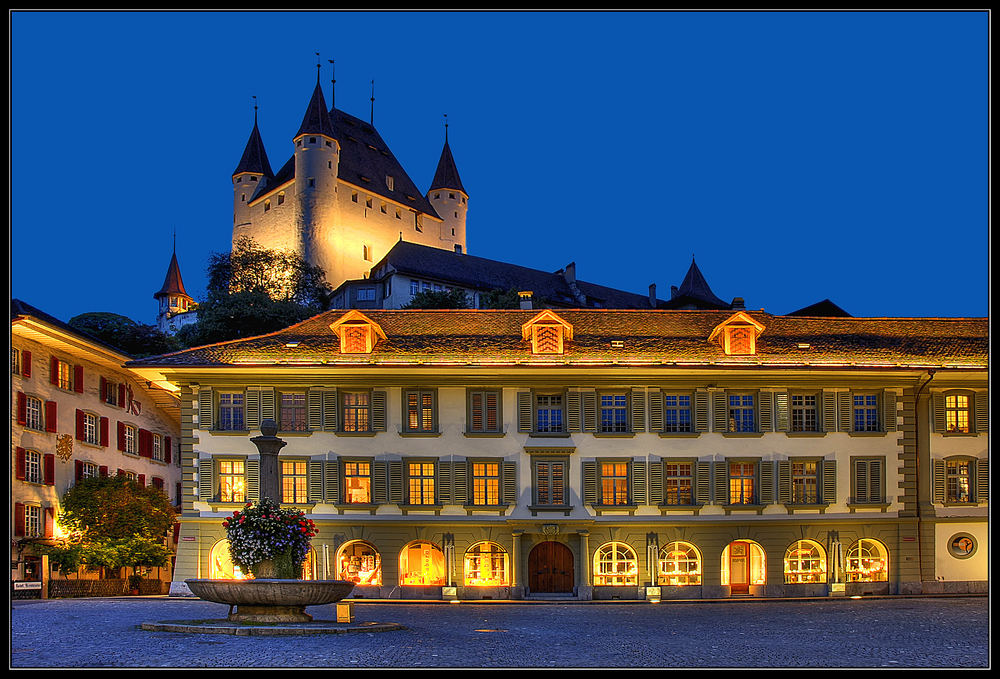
[[317, 68], [333, 83], [373, 104], [445, 128], [255, 110], [175, 240]]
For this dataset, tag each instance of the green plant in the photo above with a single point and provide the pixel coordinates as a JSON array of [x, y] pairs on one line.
[[266, 532]]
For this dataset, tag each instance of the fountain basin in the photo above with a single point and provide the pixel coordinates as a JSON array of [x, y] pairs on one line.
[[270, 600]]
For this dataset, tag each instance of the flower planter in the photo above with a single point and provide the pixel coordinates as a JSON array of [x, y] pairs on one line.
[[270, 601]]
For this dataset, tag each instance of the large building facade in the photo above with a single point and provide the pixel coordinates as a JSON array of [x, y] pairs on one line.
[[76, 412], [342, 200], [600, 454]]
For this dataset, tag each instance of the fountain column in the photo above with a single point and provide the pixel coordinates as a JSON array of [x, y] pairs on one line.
[[269, 445]]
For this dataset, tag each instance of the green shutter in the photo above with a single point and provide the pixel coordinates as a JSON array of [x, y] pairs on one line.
[[332, 470], [590, 482], [981, 405], [314, 405], [982, 480], [590, 415], [395, 469], [656, 410], [510, 482], [829, 402], [766, 475], [378, 411], [828, 468], [460, 482], [638, 410], [445, 481], [700, 411], [380, 480], [765, 411], [524, 423], [939, 481], [937, 413], [876, 481], [703, 483], [252, 405], [860, 480], [330, 410], [573, 411], [206, 409], [845, 409], [720, 471], [205, 483], [639, 482], [889, 410], [654, 493], [782, 421], [784, 481], [253, 478], [721, 411], [267, 411], [315, 479]]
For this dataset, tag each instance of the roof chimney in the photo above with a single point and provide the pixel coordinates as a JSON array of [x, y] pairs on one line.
[[652, 295], [738, 303], [525, 296], [569, 273]]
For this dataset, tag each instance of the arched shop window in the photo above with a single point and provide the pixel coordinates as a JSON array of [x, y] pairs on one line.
[[805, 562], [679, 564], [486, 566], [421, 563], [359, 562], [757, 562], [615, 565], [867, 561], [222, 567]]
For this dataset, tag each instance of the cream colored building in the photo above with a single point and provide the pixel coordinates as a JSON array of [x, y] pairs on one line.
[[601, 454], [76, 411], [342, 200]]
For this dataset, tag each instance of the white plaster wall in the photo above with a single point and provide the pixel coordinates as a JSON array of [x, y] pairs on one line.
[[948, 567]]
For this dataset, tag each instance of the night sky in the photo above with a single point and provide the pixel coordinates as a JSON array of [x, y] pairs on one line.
[[796, 156]]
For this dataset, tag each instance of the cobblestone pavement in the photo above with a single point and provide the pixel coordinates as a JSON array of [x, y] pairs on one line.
[[898, 632]]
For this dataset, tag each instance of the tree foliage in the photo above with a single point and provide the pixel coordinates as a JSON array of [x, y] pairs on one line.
[[102, 508], [282, 275], [500, 299], [239, 315], [135, 339], [439, 299]]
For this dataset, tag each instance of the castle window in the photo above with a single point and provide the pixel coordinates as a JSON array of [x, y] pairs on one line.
[[451, 195], [397, 214], [383, 208], [390, 182], [267, 207], [329, 144], [281, 198], [312, 140], [354, 196], [366, 252], [329, 164], [252, 178], [437, 195], [368, 202], [312, 182]]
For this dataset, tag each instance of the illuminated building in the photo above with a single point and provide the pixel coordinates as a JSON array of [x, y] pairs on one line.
[[603, 453], [176, 308], [78, 412]]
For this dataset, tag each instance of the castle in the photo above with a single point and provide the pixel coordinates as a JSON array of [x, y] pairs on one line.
[[343, 200]]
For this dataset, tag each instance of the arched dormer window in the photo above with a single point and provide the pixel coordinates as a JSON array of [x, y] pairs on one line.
[[358, 333], [737, 335], [547, 333]]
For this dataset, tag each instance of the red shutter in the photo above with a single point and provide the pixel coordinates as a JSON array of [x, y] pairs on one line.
[[104, 431], [177, 530], [78, 379], [121, 395], [178, 502], [102, 470], [79, 469], [104, 390], [142, 480], [20, 464], [166, 450], [145, 449], [25, 364], [22, 408], [50, 522], [80, 429], [18, 519], [50, 416], [157, 482], [121, 436], [121, 472], [54, 371], [50, 469]]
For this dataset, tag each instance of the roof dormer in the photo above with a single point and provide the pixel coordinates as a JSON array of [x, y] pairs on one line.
[[737, 335], [547, 333], [358, 333]]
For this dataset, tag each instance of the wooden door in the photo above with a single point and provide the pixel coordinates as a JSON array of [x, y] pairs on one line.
[[739, 568], [550, 568]]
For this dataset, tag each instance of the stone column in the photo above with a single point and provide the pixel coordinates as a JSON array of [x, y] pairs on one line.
[[270, 473], [516, 589], [584, 590]]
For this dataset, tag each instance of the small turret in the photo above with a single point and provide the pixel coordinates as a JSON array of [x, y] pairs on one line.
[[449, 197], [250, 175], [176, 306]]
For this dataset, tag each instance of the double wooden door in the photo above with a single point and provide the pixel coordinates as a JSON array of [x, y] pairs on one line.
[[550, 568]]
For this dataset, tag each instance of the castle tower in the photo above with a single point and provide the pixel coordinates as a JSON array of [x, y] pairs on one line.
[[449, 198], [249, 178], [317, 161], [176, 306]]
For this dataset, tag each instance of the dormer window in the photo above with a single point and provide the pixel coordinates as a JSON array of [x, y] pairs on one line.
[[547, 333], [358, 334], [390, 182], [737, 335]]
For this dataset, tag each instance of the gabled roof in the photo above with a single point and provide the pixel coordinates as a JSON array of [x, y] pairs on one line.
[[694, 292], [172, 284], [479, 273], [254, 157], [824, 308], [446, 175], [21, 310]]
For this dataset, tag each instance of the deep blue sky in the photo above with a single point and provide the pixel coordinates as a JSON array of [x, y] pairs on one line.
[[797, 156]]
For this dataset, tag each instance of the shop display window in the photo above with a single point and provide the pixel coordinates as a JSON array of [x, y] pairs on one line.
[[805, 562], [359, 563], [615, 564], [679, 564], [486, 566], [421, 563], [867, 561]]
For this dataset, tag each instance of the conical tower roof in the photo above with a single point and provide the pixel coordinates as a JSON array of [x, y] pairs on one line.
[[254, 157], [172, 284], [695, 290], [446, 176], [317, 119]]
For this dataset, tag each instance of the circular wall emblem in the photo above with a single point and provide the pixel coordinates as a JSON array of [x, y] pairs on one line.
[[962, 545]]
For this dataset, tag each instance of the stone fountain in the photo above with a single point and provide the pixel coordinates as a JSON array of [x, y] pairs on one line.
[[270, 600]]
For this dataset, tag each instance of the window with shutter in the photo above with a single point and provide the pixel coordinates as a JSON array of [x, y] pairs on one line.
[[868, 480], [421, 411], [484, 411]]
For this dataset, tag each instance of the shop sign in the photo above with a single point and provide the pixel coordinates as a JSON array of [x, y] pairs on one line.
[[26, 585]]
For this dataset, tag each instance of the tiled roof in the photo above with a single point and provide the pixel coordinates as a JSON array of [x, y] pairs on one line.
[[316, 119], [20, 309], [446, 175], [479, 273], [172, 284], [647, 337], [694, 291], [254, 156]]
